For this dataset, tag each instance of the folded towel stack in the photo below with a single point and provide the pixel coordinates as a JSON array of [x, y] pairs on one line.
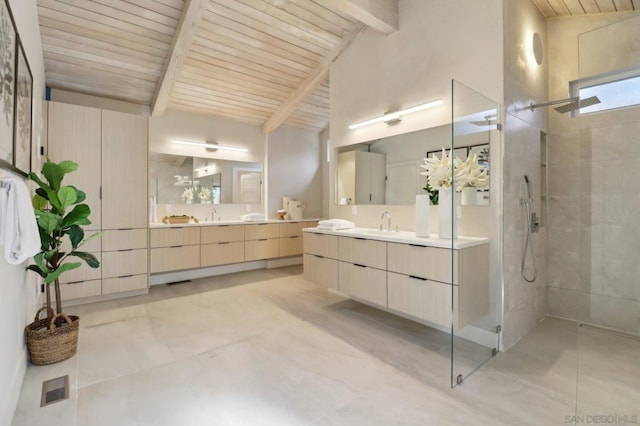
[[335, 224], [253, 217]]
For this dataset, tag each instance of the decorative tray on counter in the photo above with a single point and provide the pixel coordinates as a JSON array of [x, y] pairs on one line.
[[179, 219]]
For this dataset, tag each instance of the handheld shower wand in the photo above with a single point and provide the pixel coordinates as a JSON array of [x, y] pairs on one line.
[[533, 224]]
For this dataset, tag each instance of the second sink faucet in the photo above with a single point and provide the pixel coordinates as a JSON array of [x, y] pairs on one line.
[[388, 215]]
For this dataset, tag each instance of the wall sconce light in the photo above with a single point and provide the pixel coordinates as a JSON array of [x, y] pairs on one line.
[[536, 48], [394, 117], [211, 146]]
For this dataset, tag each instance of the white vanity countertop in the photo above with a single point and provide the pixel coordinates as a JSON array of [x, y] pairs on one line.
[[403, 237], [226, 222]]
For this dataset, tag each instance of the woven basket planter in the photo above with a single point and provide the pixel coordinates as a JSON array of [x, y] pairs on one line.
[[49, 344]]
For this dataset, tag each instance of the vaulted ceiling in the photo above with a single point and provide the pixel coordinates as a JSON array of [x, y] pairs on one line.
[[552, 8], [264, 62]]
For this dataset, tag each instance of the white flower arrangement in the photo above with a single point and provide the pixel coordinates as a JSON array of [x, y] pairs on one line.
[[476, 175], [442, 172], [204, 194], [187, 194]]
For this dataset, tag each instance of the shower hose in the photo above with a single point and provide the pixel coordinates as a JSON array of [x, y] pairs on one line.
[[528, 245]]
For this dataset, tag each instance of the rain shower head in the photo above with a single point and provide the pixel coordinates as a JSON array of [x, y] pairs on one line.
[[577, 104], [572, 104]]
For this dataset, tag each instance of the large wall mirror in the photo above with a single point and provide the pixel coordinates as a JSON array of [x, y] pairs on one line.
[[387, 170], [177, 179]]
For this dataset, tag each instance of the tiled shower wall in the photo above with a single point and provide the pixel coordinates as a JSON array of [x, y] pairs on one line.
[[593, 186]]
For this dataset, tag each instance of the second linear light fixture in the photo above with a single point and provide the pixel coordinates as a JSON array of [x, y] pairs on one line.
[[213, 146], [394, 117]]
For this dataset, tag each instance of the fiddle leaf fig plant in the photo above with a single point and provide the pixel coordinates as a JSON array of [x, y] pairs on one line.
[[60, 213]]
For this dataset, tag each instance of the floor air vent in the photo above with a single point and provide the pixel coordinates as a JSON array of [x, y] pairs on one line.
[[55, 390]]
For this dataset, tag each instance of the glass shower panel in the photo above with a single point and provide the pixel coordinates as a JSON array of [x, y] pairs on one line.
[[609, 291], [475, 254]]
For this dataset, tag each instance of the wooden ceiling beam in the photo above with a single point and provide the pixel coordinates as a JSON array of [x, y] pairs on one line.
[[310, 84], [182, 40], [381, 15]]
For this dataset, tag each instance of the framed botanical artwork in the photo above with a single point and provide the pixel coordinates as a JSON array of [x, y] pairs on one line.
[[8, 45], [461, 153], [23, 111], [482, 153]]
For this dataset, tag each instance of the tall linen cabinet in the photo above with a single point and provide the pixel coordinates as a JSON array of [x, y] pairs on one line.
[[111, 150]]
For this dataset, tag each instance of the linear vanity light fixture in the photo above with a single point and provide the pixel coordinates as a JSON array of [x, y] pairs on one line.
[[394, 116], [209, 145]]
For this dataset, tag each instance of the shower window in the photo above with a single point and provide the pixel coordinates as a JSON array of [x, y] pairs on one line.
[[617, 89]]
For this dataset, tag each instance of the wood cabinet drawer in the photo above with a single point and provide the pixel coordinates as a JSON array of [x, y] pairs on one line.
[[261, 249], [80, 289], [261, 231], [221, 233], [169, 237], [127, 283], [221, 253], [363, 282], [174, 258], [292, 229], [83, 273], [119, 239], [427, 262], [321, 270], [420, 298], [291, 246], [321, 244], [363, 252], [124, 262]]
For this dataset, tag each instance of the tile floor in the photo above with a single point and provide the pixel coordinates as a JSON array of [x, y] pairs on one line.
[[268, 348]]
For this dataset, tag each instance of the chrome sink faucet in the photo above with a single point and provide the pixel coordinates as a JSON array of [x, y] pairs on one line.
[[388, 215], [213, 214]]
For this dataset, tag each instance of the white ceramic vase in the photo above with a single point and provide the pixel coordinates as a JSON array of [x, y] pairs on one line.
[[446, 219], [469, 196], [423, 212]]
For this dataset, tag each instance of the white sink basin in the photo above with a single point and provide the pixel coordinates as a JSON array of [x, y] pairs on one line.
[[381, 232]]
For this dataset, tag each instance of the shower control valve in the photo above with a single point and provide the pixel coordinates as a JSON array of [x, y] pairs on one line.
[[535, 222]]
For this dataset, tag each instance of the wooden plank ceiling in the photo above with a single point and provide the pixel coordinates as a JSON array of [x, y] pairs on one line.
[[263, 62], [553, 8]]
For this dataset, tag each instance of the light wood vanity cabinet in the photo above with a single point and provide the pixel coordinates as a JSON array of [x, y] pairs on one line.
[[261, 241], [221, 245], [111, 151], [174, 249], [291, 241], [411, 279], [363, 282]]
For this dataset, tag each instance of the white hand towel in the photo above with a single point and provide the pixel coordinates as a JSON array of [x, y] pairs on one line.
[[18, 226], [336, 224]]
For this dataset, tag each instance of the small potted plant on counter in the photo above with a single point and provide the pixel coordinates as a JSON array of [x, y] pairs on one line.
[[60, 213]]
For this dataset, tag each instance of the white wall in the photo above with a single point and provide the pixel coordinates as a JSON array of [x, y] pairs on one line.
[[411, 66], [294, 158], [525, 82], [19, 289], [594, 203]]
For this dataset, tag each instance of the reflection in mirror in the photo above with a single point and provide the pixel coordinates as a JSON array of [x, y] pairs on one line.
[[175, 179], [387, 170]]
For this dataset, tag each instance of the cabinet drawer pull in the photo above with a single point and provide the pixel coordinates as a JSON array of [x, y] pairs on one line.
[[126, 250], [75, 282], [125, 276], [125, 229], [359, 265], [224, 242], [295, 236], [223, 225], [260, 224], [417, 245], [318, 256], [175, 246], [417, 278], [359, 238], [263, 239], [177, 227]]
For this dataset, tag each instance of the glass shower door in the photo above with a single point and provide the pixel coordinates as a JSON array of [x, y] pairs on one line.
[[475, 261]]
